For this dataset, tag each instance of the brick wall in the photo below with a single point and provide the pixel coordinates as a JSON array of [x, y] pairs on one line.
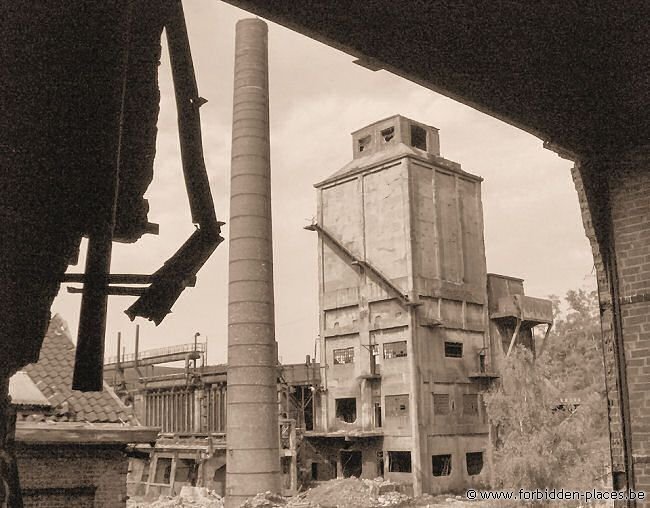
[[607, 326], [63, 476], [630, 204]]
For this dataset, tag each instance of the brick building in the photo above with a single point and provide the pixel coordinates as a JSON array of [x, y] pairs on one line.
[[70, 446]]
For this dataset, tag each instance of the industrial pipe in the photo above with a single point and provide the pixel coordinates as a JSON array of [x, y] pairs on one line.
[[253, 461]]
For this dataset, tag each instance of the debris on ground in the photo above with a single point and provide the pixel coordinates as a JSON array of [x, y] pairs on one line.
[[189, 497], [265, 500], [350, 493]]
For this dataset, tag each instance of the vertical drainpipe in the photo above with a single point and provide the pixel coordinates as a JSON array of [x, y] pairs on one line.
[[253, 460]]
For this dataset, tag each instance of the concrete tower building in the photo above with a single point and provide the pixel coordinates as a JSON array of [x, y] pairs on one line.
[[403, 313]]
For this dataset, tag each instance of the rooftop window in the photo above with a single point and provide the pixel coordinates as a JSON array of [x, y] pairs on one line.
[[388, 134], [363, 143], [418, 137]]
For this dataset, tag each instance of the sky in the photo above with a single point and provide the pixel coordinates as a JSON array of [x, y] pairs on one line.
[[318, 96]]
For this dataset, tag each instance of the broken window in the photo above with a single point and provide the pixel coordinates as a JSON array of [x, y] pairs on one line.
[[388, 134], [454, 349], [395, 349], [351, 463], [186, 471], [440, 404], [441, 465], [163, 470], [418, 137], [470, 404], [363, 143], [345, 355], [397, 405], [346, 409], [377, 406], [474, 463], [399, 462]]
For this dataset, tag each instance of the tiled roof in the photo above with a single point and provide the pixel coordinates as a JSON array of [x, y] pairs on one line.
[[52, 374], [24, 392]]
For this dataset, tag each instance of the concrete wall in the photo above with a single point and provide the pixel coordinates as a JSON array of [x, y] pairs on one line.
[[417, 219], [456, 446], [68, 476]]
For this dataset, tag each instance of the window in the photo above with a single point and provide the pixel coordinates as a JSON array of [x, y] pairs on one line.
[[186, 471], [397, 405], [364, 143], [395, 349], [470, 404], [440, 404], [388, 134], [346, 410], [163, 470], [342, 356], [399, 462], [474, 463], [454, 349], [418, 137], [441, 465]]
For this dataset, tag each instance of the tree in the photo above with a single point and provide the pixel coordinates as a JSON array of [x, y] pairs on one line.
[[541, 440]]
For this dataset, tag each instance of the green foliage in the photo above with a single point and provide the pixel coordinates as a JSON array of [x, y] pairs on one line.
[[542, 442]]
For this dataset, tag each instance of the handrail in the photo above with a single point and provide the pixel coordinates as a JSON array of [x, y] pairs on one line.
[[151, 353]]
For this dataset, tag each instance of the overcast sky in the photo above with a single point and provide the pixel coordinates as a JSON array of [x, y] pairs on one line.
[[533, 228]]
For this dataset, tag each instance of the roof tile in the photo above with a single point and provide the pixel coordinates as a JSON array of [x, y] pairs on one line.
[[53, 376]]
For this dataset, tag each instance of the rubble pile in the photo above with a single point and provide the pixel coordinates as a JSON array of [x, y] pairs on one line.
[[351, 493], [189, 497]]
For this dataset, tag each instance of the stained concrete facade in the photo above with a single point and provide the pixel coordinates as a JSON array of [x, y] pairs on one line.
[[404, 320]]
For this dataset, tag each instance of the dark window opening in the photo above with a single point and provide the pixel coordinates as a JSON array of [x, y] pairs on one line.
[[474, 463], [395, 349], [364, 143], [220, 474], [397, 405], [481, 362], [388, 134], [186, 471], [418, 137], [285, 464], [441, 465], [454, 349], [441, 404], [342, 356], [470, 404], [351, 463], [399, 462], [377, 406], [346, 410], [314, 470], [163, 471], [145, 471]]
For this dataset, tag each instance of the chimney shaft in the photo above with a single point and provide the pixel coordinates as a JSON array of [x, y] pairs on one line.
[[252, 423]]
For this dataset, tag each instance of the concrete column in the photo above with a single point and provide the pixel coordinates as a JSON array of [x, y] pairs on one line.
[[253, 460]]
